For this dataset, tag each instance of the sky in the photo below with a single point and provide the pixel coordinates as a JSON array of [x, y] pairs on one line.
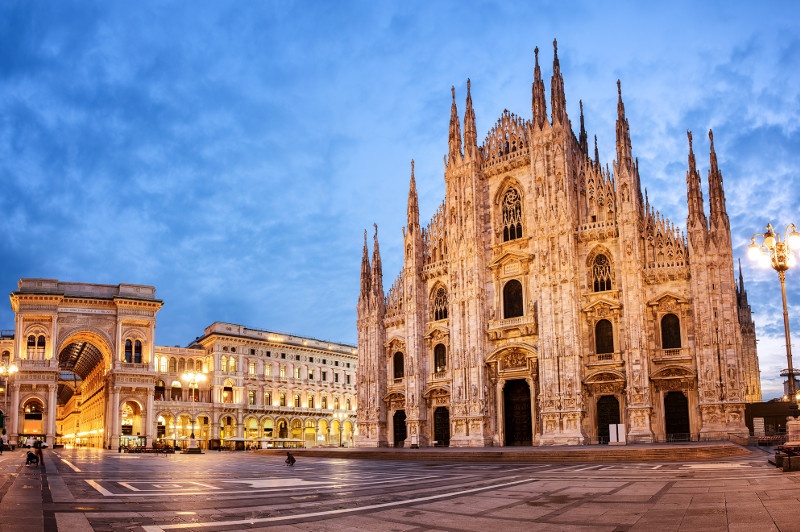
[[231, 154]]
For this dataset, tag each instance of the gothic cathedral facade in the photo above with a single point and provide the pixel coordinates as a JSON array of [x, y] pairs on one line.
[[548, 303]]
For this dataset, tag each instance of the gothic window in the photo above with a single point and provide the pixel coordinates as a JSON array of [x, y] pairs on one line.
[[128, 351], [399, 370], [512, 215], [670, 332], [601, 274], [439, 358], [512, 299], [603, 337], [440, 304]]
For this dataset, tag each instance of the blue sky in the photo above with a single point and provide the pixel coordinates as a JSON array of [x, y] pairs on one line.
[[232, 153]]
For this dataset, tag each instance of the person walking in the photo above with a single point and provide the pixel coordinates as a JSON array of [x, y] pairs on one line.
[[37, 445]]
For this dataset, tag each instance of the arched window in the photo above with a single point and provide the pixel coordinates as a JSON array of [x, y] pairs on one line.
[[297, 400], [128, 351], [181, 366], [159, 390], [232, 365], [163, 367], [267, 399], [198, 365], [223, 364], [282, 398], [440, 304], [512, 299], [603, 337], [399, 369], [512, 215], [439, 358], [670, 332], [137, 352], [311, 402], [601, 274], [173, 365], [336, 403], [175, 393], [324, 402], [348, 404]]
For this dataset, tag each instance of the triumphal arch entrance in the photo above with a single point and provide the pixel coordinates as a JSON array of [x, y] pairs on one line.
[[83, 354]]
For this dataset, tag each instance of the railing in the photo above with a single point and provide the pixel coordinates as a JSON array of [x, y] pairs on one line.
[[671, 354], [25, 363], [605, 358], [439, 375]]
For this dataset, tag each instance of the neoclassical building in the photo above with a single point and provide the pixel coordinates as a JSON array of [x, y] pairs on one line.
[[548, 302], [90, 374]]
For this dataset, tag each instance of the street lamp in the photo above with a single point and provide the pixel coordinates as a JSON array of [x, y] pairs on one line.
[[778, 254], [193, 379], [7, 372]]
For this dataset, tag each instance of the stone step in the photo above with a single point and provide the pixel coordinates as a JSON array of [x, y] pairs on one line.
[[589, 453]]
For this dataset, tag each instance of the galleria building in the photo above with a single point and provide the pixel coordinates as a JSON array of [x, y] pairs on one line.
[[547, 301], [89, 374]]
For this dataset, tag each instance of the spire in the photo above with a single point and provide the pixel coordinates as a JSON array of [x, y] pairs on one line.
[[716, 195], [366, 271], [596, 153], [694, 194], [583, 140], [454, 141], [741, 280], [413, 202], [470, 132], [377, 269], [624, 152], [538, 103], [557, 91]]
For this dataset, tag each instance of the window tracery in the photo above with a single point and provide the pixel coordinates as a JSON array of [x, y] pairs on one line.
[[601, 274], [512, 215], [440, 304]]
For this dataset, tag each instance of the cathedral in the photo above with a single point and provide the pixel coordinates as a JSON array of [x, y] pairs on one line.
[[547, 302]]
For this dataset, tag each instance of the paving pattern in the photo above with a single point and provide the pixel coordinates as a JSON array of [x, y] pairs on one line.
[[107, 491]]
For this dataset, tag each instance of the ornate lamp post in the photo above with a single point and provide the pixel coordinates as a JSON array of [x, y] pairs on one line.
[[779, 254], [193, 379], [7, 372]]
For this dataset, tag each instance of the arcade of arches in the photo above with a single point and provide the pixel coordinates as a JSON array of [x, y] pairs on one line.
[[90, 375]]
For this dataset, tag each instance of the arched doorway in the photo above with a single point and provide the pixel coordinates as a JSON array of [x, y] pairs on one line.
[[399, 425], [517, 404], [83, 361], [676, 416], [607, 414], [441, 427], [33, 419]]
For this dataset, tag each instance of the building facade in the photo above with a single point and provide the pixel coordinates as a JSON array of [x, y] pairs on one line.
[[89, 374], [547, 302]]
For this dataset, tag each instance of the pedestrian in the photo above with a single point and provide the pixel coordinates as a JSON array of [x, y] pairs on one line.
[[3, 442], [290, 460], [37, 445]]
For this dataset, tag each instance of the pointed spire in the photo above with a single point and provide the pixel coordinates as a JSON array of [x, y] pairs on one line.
[[377, 269], [454, 142], [694, 193], [583, 139], [366, 271], [413, 202], [538, 102], [596, 152], [470, 132], [624, 151], [741, 278], [716, 194], [557, 91]]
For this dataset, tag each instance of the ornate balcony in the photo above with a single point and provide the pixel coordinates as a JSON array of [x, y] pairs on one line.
[[512, 327], [662, 356], [605, 359]]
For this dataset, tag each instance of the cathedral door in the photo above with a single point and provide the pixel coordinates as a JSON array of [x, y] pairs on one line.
[[676, 416], [399, 428], [607, 414], [441, 427], [517, 403]]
